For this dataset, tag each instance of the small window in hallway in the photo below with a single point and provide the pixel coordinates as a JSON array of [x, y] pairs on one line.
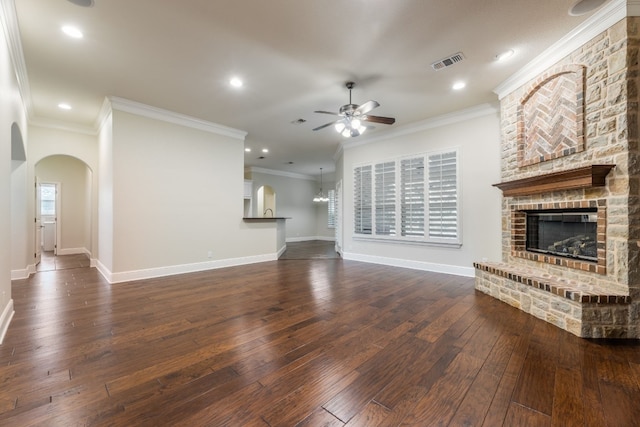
[[47, 199]]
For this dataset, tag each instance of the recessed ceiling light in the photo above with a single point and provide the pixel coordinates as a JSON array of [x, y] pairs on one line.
[[459, 85], [265, 150], [505, 55], [64, 106], [582, 7], [247, 150], [235, 82], [72, 31]]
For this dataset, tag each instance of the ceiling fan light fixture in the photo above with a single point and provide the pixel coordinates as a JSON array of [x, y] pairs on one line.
[[351, 116]]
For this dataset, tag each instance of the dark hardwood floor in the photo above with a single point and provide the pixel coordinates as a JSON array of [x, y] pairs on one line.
[[299, 343], [50, 262], [314, 249]]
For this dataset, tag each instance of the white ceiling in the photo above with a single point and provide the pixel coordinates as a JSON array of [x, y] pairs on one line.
[[293, 55]]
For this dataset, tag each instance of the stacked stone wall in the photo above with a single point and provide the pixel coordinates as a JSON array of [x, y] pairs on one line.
[[606, 141], [610, 135]]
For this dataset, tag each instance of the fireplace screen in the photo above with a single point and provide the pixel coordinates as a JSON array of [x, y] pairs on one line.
[[569, 234]]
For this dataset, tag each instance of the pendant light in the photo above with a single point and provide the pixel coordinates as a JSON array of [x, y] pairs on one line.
[[320, 197]]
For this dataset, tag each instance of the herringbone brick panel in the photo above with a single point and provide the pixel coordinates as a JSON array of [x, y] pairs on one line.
[[550, 120]]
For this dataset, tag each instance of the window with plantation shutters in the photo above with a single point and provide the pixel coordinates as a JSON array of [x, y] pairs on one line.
[[412, 196], [412, 199], [362, 199], [331, 209], [443, 196], [385, 199]]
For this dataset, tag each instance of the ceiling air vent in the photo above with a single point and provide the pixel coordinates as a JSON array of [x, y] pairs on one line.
[[448, 61]]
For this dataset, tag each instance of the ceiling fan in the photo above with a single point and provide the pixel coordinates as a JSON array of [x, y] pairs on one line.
[[352, 115]]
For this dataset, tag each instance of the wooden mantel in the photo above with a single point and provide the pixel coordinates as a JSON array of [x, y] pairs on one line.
[[584, 177]]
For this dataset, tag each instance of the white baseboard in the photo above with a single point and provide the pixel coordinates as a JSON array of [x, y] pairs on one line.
[[282, 249], [21, 274], [73, 251], [150, 273], [26, 272], [414, 265], [306, 239], [5, 319]]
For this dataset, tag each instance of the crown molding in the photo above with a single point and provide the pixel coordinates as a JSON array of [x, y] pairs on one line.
[[155, 113], [61, 125], [253, 169], [103, 115], [600, 21], [633, 8], [9, 21], [431, 123]]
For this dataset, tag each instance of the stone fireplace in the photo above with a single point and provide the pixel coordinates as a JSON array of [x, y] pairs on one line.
[[571, 192]]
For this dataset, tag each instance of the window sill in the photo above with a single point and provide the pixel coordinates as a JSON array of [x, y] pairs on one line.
[[454, 245]]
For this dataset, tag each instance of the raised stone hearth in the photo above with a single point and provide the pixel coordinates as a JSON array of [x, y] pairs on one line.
[[570, 144], [582, 309]]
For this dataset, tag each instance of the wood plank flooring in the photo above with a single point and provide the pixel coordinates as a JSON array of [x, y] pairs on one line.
[[299, 343], [313, 249]]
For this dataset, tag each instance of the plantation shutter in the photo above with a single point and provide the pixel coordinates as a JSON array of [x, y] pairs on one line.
[[412, 185], [362, 199], [385, 181], [331, 209], [443, 195]]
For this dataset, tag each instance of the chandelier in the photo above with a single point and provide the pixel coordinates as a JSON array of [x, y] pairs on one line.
[[320, 197]]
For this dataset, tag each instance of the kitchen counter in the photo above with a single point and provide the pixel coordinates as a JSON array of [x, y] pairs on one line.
[[267, 218]]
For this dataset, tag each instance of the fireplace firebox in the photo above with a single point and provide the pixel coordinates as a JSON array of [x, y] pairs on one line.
[[564, 233]]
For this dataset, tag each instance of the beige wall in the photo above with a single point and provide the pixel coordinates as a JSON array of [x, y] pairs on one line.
[[171, 195], [12, 179], [476, 133]]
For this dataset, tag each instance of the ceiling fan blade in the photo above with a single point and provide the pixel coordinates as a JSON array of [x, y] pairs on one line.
[[326, 125], [378, 119], [366, 107], [327, 112]]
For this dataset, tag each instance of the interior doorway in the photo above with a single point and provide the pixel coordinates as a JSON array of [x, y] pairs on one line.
[[63, 207], [266, 203]]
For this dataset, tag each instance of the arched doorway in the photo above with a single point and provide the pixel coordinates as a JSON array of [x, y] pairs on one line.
[[63, 205]]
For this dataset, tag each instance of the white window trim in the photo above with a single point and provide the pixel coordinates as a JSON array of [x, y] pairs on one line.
[[423, 240]]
